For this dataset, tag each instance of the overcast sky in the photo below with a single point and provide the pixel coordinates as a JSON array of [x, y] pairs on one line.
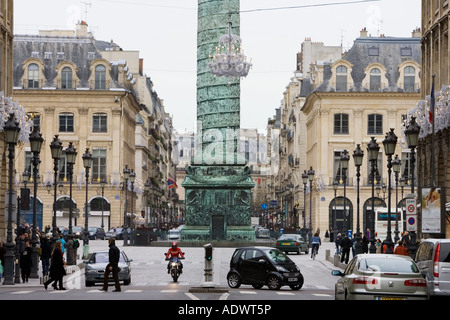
[[165, 33]]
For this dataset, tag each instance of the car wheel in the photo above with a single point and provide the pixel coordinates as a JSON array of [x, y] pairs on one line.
[[306, 250], [299, 285], [234, 280], [89, 284], [257, 286], [298, 250], [127, 282], [273, 282]]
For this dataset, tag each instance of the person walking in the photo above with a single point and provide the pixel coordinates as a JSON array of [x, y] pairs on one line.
[[57, 271], [346, 245], [113, 266], [26, 262], [46, 254]]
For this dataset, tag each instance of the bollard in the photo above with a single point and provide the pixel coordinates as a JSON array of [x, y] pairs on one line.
[[208, 283]]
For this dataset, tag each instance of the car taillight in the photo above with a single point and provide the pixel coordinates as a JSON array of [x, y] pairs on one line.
[[436, 261], [416, 283], [296, 243], [365, 280], [277, 243]]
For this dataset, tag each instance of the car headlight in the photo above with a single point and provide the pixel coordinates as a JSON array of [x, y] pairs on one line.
[[281, 269]]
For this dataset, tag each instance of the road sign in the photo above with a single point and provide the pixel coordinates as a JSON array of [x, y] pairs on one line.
[[264, 206], [273, 203], [411, 216]]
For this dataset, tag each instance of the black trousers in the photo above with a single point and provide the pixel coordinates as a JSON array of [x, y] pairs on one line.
[[55, 281], [115, 272]]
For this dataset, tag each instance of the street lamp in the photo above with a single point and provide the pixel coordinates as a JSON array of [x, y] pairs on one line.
[[11, 136], [132, 179], [335, 188], [87, 163], [311, 174], [126, 176], [71, 154], [389, 144], [345, 158], [412, 139], [396, 167], [372, 151], [103, 185], [358, 155], [36, 141], [56, 149], [147, 208]]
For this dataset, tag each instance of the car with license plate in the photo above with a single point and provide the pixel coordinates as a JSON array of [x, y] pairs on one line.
[[433, 259], [174, 234], [116, 233], [259, 266], [292, 243], [380, 277], [96, 233], [96, 265]]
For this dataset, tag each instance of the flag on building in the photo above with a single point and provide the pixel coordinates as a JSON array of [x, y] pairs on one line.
[[171, 183], [432, 103]]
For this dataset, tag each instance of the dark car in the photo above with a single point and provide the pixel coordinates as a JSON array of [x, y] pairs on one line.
[[116, 233], [96, 264], [259, 266], [292, 243], [96, 233]]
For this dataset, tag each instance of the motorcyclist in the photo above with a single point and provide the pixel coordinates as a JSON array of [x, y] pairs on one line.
[[174, 252]]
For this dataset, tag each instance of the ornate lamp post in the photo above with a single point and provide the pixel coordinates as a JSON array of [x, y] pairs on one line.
[[389, 144], [11, 136], [305, 182], [132, 180], [56, 149], [372, 151], [396, 167], [71, 154], [311, 174], [345, 158], [126, 176], [412, 139], [147, 188], [87, 163], [358, 155], [335, 188], [36, 141], [103, 185]]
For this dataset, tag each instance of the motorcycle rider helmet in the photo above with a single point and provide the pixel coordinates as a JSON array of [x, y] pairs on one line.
[[174, 245]]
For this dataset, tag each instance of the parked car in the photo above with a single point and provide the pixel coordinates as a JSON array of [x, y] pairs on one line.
[[77, 231], [292, 243], [380, 277], [174, 234], [116, 233], [433, 259], [96, 264], [259, 266], [262, 233], [96, 233]]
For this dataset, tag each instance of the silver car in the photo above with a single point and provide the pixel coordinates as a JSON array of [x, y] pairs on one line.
[[96, 265], [433, 259], [380, 277]]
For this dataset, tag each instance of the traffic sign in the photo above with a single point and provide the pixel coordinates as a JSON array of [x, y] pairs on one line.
[[264, 206], [411, 216]]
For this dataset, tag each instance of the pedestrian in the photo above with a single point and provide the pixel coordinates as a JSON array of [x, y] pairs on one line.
[[315, 243], [2, 253], [345, 247], [57, 270], [26, 262], [113, 266], [406, 239], [365, 244], [337, 242], [401, 249], [378, 246], [46, 254]]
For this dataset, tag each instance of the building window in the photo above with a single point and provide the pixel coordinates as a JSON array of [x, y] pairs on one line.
[[375, 124], [98, 164], [63, 174], [378, 170], [410, 79], [341, 123], [406, 169], [99, 122], [28, 161], [375, 80], [33, 76], [66, 122], [406, 52], [337, 168], [374, 52], [341, 79], [66, 78], [100, 77]]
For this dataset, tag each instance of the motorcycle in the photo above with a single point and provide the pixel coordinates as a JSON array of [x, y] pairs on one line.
[[174, 267]]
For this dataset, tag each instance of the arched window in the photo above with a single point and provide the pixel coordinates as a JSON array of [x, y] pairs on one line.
[[410, 79], [66, 78], [33, 76], [341, 79], [100, 77], [375, 80]]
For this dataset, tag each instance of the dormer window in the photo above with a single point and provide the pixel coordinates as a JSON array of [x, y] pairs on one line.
[[375, 80], [410, 79], [100, 77], [33, 76], [66, 78], [341, 79]]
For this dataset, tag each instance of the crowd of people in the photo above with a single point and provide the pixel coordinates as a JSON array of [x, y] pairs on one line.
[[346, 245], [44, 249]]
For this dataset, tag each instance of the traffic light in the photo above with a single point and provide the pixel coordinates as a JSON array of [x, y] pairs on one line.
[[208, 252]]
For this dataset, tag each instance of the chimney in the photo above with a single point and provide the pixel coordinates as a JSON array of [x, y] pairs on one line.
[[81, 30], [417, 33], [141, 66], [363, 33]]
